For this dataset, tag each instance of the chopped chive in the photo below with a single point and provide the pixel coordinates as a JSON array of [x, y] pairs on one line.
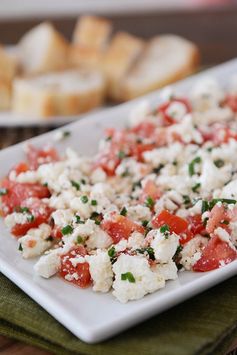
[[76, 185], [175, 163], [78, 218], [149, 251], [83, 181], [124, 211], [186, 199], [191, 166], [93, 202], [67, 230], [45, 184], [136, 184], [49, 239], [196, 187], [225, 222], [24, 209], [125, 173], [66, 134], [149, 202], [30, 218], [97, 217], [209, 149], [205, 206], [145, 223], [111, 252], [84, 199], [158, 169], [79, 240], [128, 276], [121, 154], [108, 138], [219, 163], [3, 191], [164, 229], [20, 247], [228, 201]]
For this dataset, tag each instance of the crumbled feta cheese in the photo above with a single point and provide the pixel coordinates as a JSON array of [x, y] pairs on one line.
[[101, 271], [168, 271], [146, 281], [164, 246], [35, 242], [48, 264], [191, 252]]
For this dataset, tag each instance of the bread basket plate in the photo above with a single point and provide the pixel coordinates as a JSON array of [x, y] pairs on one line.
[[91, 316]]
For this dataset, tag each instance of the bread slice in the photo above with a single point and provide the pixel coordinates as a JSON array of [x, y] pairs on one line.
[[90, 39], [8, 69], [121, 54], [43, 49], [5, 94], [167, 58], [92, 32], [67, 93]]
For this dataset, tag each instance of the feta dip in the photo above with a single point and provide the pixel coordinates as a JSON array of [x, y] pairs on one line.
[[159, 196]]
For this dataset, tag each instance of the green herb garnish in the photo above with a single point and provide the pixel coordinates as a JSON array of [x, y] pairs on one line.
[[84, 199], [121, 154], [145, 223], [3, 191], [205, 206], [79, 240], [128, 276], [20, 247], [124, 211], [164, 229], [219, 163], [30, 218], [158, 169], [66, 134], [93, 202], [149, 251], [111, 252], [95, 216], [67, 230], [187, 200], [83, 181], [76, 185], [24, 209], [149, 202], [191, 166], [196, 187]]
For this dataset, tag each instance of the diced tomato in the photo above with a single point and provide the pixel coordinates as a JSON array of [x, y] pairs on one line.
[[80, 271], [120, 227], [56, 233], [176, 224], [144, 129], [138, 149], [17, 193], [215, 253], [40, 212], [20, 168], [219, 134], [150, 190], [37, 157], [196, 225], [231, 102], [108, 162], [218, 215], [163, 109]]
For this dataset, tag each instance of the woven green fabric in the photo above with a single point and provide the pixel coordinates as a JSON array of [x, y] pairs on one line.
[[205, 324]]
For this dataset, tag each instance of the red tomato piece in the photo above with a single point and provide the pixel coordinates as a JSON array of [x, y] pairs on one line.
[[219, 134], [120, 227], [39, 210], [138, 149], [56, 233], [176, 224], [150, 190], [36, 157], [231, 102], [17, 193], [22, 167], [218, 214], [81, 272], [108, 162], [144, 129], [196, 225], [163, 109], [213, 254]]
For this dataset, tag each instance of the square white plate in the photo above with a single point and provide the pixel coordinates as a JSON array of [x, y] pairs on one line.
[[92, 316]]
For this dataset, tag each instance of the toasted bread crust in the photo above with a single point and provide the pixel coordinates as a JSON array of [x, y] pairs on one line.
[[92, 32]]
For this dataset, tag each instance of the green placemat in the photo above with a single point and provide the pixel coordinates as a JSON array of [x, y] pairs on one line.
[[205, 324]]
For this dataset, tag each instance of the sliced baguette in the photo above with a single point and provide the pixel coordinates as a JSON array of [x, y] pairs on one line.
[[8, 69], [121, 54], [43, 49], [66, 93], [90, 39], [167, 58], [5, 94], [92, 32]]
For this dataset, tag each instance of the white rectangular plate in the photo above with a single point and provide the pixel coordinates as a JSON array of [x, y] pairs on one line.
[[92, 316]]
